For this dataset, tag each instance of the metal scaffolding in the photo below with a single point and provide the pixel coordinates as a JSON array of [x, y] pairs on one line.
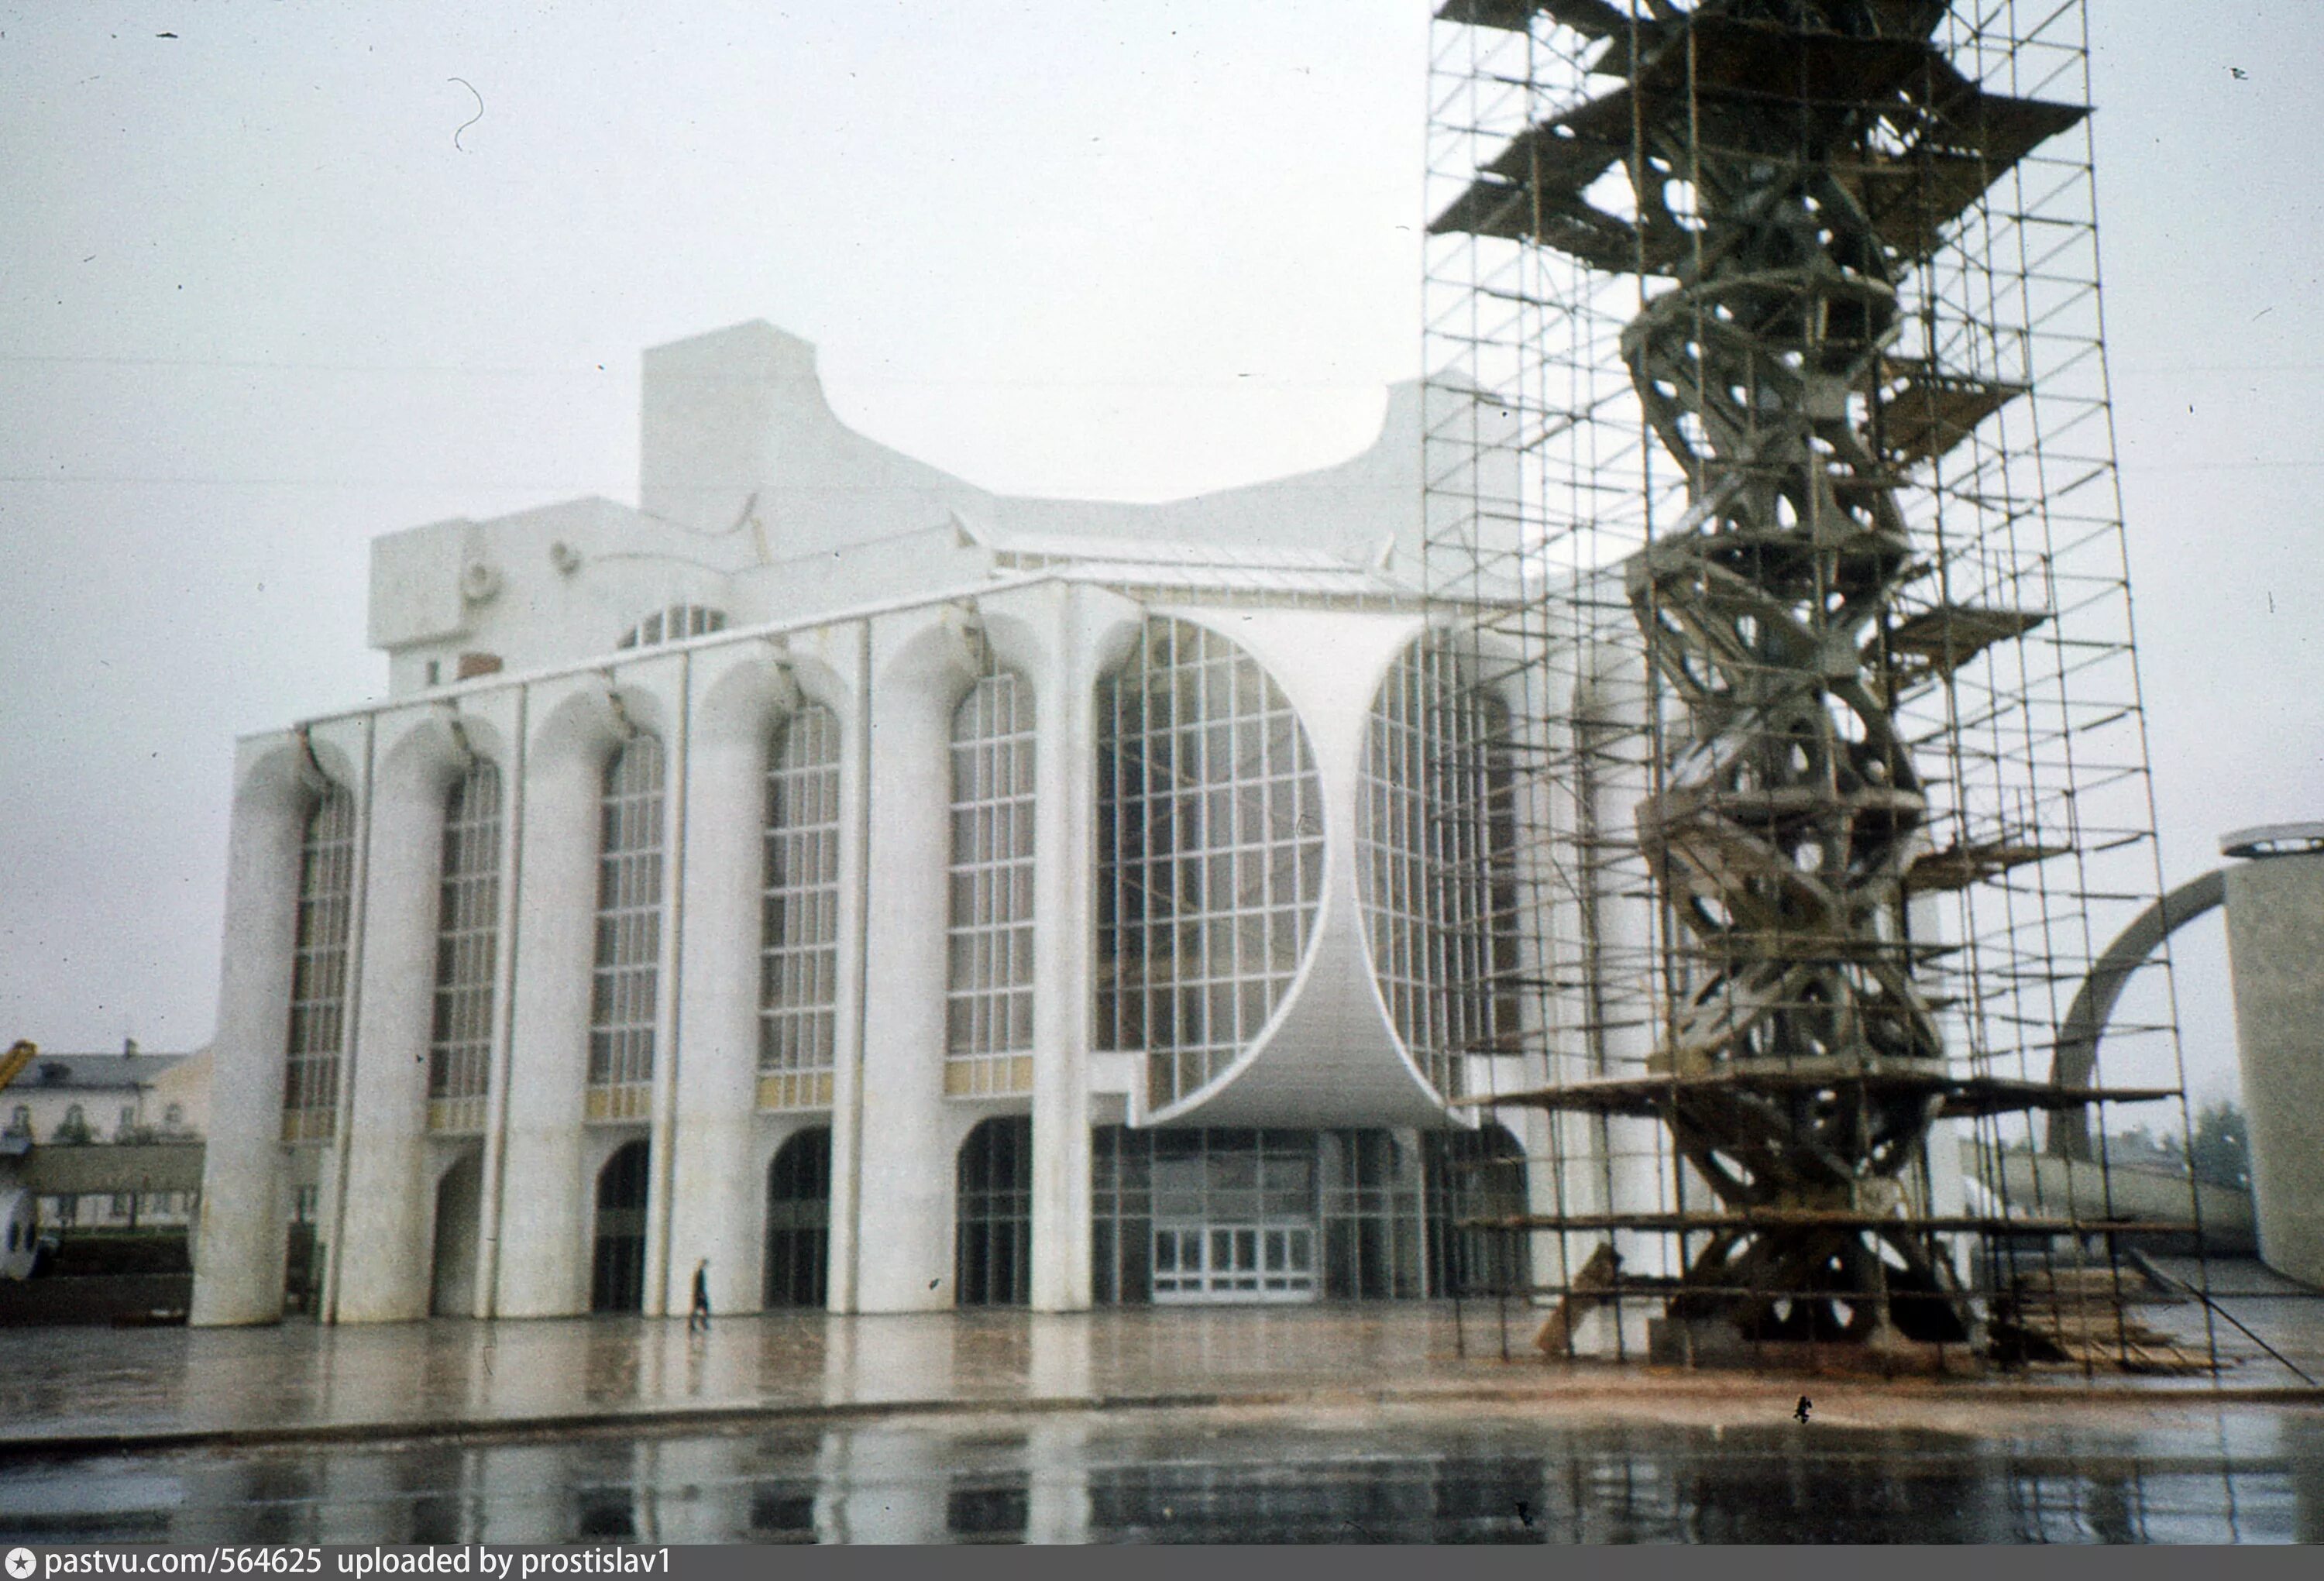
[[1771, 486]]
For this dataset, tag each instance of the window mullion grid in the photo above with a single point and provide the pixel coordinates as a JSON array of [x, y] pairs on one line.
[[798, 909], [469, 922], [629, 934], [319, 970]]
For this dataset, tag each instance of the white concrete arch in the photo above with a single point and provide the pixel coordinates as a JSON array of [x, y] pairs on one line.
[[1328, 1056], [386, 1218], [239, 1238], [478, 735], [742, 694], [543, 1236], [1026, 644], [921, 665]]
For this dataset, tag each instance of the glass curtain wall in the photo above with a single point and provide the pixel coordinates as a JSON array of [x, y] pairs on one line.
[[467, 941], [1210, 855], [1435, 863], [989, 1007], [625, 984], [318, 973], [798, 957], [1238, 1215]]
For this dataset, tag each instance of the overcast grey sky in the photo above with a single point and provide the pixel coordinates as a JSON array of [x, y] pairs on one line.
[[257, 305]]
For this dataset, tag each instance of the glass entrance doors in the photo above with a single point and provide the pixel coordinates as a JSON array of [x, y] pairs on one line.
[[1234, 1217], [1204, 1262]]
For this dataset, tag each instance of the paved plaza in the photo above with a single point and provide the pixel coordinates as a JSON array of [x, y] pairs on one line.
[[1391, 1422], [154, 1387]]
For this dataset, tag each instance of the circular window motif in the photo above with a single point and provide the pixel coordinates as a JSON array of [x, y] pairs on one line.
[[1210, 854], [1435, 880]]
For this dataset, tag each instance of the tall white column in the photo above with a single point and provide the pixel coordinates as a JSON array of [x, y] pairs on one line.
[[740, 699], [1560, 1176], [326, 1165], [1948, 1182], [904, 1243], [505, 716], [670, 1053], [1610, 708], [239, 1237], [1063, 931], [544, 1216], [855, 900], [383, 1240]]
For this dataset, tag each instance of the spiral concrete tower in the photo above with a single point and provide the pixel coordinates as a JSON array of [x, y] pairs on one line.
[[1751, 214]]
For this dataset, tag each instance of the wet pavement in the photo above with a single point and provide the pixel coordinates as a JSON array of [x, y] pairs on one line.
[[137, 1385], [1360, 1422], [1421, 1472]]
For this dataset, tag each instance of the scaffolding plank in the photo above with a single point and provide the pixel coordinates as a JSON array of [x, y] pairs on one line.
[[1927, 646], [1960, 1095], [1723, 1220], [1769, 61], [1925, 413], [1957, 867], [1591, 18]]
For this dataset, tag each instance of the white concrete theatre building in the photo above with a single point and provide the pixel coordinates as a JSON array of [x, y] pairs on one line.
[[898, 895]]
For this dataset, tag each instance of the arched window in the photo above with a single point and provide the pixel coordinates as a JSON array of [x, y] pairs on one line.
[[1434, 825], [1210, 849], [74, 1129], [993, 1243], [989, 1007], [624, 988], [798, 1220], [467, 941], [799, 939], [674, 624], [318, 974]]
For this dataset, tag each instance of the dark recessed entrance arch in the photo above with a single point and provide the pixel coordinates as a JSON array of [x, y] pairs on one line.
[[617, 1265], [992, 1245], [798, 1221]]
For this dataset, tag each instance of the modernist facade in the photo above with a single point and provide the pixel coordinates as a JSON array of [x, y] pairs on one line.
[[896, 895]]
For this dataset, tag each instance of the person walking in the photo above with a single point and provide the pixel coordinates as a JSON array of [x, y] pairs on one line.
[[697, 1320]]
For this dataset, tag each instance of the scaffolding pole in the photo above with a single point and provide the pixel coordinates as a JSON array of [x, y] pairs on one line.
[[1770, 489]]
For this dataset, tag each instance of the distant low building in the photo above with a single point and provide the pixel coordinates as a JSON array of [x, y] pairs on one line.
[[72, 1101]]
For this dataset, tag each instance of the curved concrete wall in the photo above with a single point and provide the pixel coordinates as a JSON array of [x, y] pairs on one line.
[[2275, 946], [1329, 1056]]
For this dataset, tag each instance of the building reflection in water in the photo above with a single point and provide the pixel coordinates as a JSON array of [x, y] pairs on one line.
[[1152, 1477]]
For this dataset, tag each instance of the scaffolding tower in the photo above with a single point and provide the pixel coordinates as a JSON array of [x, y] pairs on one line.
[[1770, 485]]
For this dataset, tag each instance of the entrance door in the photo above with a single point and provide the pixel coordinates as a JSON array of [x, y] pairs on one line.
[[617, 1272], [1234, 1263], [1234, 1217]]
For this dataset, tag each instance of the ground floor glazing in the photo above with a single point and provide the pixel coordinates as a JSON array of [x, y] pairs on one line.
[[1178, 1217]]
